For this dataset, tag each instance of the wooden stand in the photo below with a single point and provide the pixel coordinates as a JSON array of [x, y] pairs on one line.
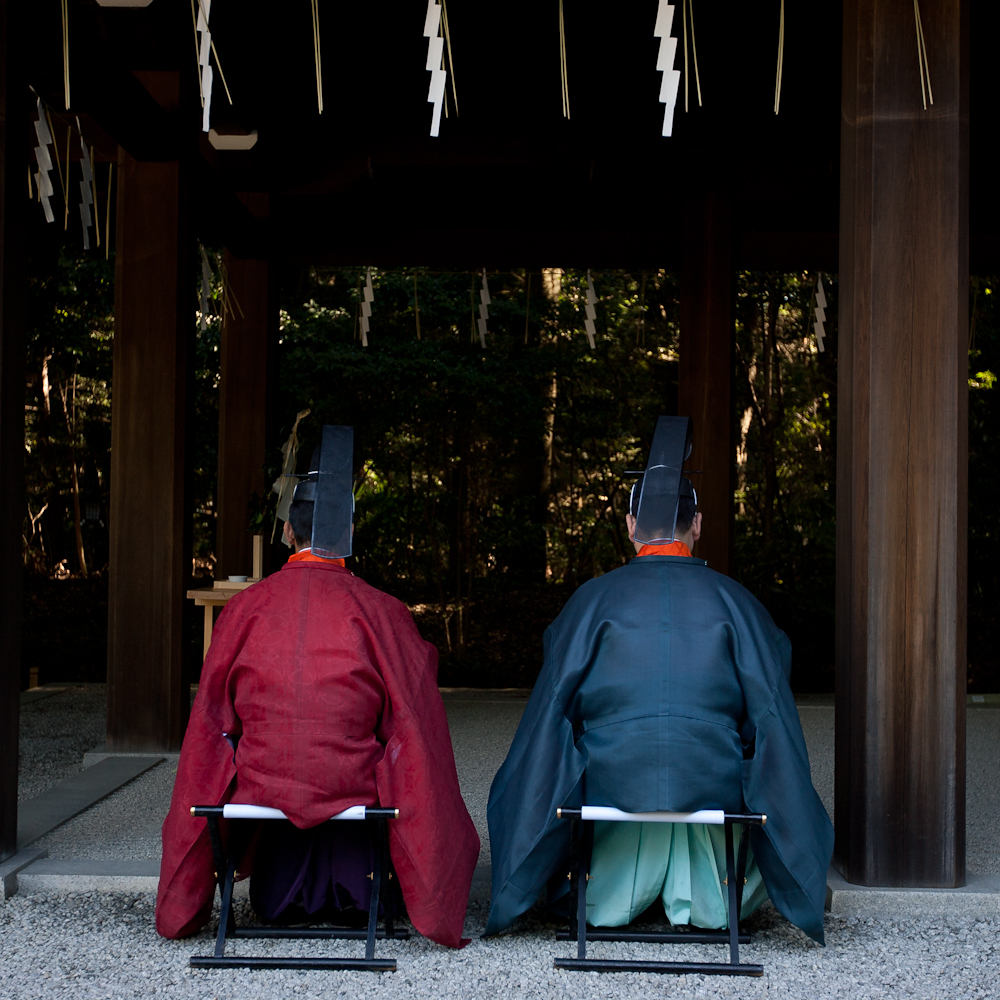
[[216, 596]]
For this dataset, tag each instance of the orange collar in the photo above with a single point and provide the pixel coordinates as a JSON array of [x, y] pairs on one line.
[[305, 555], [672, 549]]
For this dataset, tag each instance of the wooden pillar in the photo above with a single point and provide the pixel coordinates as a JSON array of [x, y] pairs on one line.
[[706, 369], [13, 201], [249, 338], [902, 448], [150, 521]]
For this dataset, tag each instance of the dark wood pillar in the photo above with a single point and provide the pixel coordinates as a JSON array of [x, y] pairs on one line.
[[249, 338], [12, 204], [902, 448], [706, 369], [150, 522]]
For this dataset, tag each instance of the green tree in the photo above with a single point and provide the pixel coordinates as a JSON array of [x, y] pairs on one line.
[[786, 462]]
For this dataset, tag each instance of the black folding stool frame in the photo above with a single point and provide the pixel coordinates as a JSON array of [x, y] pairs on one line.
[[581, 845], [225, 873]]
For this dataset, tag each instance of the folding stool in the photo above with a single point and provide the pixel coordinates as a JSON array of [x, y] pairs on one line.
[[225, 874], [582, 841]]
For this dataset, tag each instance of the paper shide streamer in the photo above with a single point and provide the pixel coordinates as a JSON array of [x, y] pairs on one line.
[[484, 313], [591, 311], [42, 179], [670, 83], [206, 288], [86, 191], [819, 327], [366, 307], [204, 51], [435, 62]]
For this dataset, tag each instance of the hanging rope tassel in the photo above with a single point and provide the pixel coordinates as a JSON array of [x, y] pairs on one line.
[[781, 58], [563, 71], [318, 55], [687, 9], [65, 42], [451, 62], [694, 54], [925, 73]]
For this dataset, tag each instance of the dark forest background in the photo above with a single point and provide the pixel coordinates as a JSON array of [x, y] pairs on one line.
[[490, 481]]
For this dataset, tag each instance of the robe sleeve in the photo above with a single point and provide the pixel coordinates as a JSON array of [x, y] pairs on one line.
[[205, 776], [543, 771], [434, 844], [794, 848]]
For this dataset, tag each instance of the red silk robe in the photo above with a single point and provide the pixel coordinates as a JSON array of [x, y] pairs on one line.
[[335, 696]]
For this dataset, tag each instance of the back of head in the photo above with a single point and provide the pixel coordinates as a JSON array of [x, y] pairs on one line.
[[300, 517]]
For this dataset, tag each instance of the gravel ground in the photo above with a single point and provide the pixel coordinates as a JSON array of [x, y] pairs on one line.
[[124, 825], [104, 945], [56, 731], [982, 779], [480, 749]]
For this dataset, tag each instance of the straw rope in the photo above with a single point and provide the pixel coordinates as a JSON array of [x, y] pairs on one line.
[[925, 73], [781, 57], [563, 70]]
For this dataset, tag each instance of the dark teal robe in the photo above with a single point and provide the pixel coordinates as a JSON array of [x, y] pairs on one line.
[[665, 687]]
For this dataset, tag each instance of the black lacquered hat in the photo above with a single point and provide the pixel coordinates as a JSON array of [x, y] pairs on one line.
[[329, 486], [655, 497]]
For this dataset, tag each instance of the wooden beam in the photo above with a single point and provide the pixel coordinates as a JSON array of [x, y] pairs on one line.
[[249, 341], [13, 117], [150, 562], [902, 449], [706, 369]]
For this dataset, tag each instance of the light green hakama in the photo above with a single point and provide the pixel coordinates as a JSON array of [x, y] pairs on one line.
[[682, 863]]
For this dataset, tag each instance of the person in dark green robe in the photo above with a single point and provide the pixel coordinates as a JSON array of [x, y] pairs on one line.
[[665, 687]]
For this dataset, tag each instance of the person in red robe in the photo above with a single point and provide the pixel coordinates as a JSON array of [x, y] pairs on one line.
[[329, 694]]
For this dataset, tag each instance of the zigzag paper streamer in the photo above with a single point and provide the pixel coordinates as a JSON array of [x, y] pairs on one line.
[[42, 179], [665, 63], [435, 54], [591, 311], [484, 313], [206, 288], [366, 307], [819, 328], [86, 189], [204, 51]]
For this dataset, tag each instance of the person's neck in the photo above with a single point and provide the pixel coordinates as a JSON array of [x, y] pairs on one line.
[[685, 539]]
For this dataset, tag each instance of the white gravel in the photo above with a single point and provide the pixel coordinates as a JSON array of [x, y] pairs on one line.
[[101, 944], [56, 731], [104, 945]]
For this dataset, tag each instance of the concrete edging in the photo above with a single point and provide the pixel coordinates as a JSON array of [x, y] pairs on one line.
[[979, 897]]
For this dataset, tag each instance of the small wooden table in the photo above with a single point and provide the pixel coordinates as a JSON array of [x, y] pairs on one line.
[[214, 597]]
